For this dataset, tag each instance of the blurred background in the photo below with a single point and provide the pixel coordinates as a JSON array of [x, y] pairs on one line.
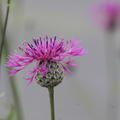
[[86, 93]]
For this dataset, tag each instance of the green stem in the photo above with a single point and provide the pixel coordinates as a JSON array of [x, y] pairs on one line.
[[16, 98], [51, 95], [4, 45], [4, 28]]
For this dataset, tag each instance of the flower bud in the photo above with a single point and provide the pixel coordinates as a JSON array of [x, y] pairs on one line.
[[52, 77]]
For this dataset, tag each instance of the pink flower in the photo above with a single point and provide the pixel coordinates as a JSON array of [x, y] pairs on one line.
[[107, 14], [42, 51]]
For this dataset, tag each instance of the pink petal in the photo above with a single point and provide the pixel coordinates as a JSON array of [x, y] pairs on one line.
[[66, 69], [70, 63]]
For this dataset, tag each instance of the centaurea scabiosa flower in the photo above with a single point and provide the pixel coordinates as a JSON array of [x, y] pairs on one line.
[[107, 15], [50, 56]]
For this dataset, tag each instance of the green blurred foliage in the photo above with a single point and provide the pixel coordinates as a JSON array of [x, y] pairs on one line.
[[12, 114]]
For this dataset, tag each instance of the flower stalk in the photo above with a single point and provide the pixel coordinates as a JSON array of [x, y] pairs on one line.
[[4, 46], [52, 106], [112, 71], [15, 94], [4, 28]]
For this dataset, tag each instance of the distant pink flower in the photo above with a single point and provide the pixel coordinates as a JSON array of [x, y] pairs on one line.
[[42, 51], [107, 14]]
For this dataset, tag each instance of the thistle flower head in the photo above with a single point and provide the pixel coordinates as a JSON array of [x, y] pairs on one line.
[[49, 55], [107, 14]]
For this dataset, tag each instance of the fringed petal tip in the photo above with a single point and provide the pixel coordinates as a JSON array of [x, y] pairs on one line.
[[14, 71], [84, 51], [66, 69], [71, 63], [32, 74], [30, 80]]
